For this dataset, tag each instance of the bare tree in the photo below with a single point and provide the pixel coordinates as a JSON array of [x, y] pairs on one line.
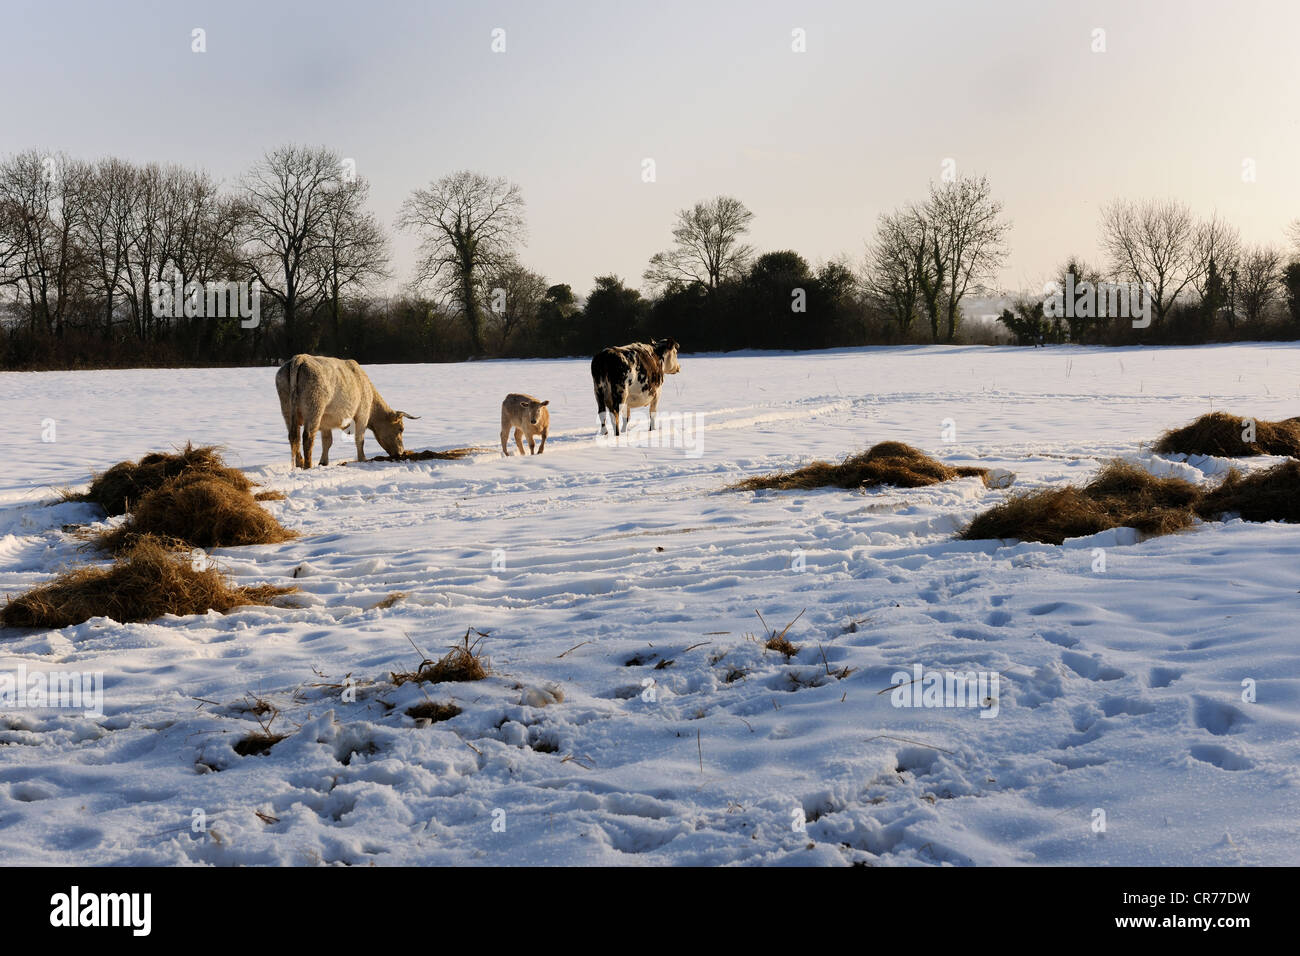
[[1156, 243], [104, 226], [896, 262], [353, 250], [285, 204], [1259, 280], [1219, 242], [514, 297], [707, 246], [144, 244], [967, 241], [11, 239], [468, 224], [41, 192]]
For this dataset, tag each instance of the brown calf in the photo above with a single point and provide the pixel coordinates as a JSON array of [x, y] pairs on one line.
[[528, 417]]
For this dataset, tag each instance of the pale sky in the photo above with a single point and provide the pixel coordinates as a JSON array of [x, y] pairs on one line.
[[817, 144]]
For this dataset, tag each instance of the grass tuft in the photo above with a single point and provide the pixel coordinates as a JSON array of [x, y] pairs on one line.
[[464, 662]]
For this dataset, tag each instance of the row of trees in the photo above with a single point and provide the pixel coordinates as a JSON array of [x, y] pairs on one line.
[[82, 245], [1201, 281]]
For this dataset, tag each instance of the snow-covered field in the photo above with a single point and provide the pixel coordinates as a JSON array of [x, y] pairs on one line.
[[627, 579]]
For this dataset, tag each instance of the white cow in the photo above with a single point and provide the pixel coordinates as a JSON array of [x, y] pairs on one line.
[[319, 394]]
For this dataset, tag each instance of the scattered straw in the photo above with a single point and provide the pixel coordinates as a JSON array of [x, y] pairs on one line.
[[451, 454]]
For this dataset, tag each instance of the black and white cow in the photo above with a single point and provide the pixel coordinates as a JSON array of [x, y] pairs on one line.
[[631, 376]]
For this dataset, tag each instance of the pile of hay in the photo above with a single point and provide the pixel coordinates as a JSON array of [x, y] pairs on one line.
[[1220, 434], [126, 483], [145, 582], [1124, 496], [1121, 496], [199, 510], [1269, 495], [889, 463]]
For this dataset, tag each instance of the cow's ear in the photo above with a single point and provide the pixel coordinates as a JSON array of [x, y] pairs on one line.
[[547, 402]]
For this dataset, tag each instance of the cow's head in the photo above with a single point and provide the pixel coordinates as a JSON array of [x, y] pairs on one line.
[[666, 349], [533, 410], [387, 427]]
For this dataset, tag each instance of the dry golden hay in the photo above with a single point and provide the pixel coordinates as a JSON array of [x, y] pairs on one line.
[[1121, 496], [145, 582], [1269, 495], [1224, 436], [197, 510], [888, 463], [119, 488]]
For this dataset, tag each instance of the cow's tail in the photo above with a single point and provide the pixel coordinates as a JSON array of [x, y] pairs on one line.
[[295, 420], [605, 392]]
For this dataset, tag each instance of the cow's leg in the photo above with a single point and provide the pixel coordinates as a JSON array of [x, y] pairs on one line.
[[543, 448], [616, 408], [295, 444], [519, 440], [654, 409], [326, 439], [532, 443], [308, 440], [505, 437], [359, 436], [601, 413]]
